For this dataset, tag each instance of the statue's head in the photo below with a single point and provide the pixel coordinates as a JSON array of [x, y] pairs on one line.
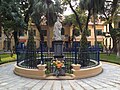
[[60, 17]]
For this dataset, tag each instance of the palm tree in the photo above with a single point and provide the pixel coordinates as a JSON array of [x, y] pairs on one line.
[[93, 7], [51, 15], [69, 2], [39, 8]]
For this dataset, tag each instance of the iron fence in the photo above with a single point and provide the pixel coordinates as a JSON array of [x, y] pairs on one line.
[[30, 59]]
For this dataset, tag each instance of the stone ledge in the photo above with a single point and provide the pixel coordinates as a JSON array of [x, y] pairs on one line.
[[40, 74], [88, 72], [30, 73]]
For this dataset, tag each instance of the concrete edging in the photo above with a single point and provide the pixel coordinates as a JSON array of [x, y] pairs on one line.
[[29, 73], [87, 72], [40, 74]]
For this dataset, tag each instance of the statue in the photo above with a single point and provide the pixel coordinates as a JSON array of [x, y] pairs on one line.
[[57, 29]]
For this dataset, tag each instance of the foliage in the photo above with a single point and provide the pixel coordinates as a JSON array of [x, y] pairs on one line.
[[31, 48], [83, 55], [83, 27], [73, 8], [76, 32], [11, 17], [117, 33], [58, 64], [38, 8], [71, 19], [110, 12]]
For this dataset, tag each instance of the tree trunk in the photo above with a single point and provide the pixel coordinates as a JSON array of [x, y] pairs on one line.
[[15, 39], [113, 37], [77, 18], [114, 45], [0, 25], [94, 28], [89, 14], [48, 34], [118, 48], [0, 20]]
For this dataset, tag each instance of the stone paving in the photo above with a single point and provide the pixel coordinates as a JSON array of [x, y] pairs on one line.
[[108, 80]]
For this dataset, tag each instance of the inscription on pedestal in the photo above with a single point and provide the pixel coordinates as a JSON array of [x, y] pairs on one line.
[[58, 49]]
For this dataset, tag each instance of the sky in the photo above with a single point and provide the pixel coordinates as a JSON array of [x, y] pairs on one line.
[[67, 12]]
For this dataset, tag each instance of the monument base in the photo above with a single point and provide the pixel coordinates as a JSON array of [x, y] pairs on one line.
[[58, 49]]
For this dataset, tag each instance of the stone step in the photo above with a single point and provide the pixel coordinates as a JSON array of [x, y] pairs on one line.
[[65, 77]]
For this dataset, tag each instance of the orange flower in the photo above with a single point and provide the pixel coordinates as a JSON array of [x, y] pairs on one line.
[[58, 64]]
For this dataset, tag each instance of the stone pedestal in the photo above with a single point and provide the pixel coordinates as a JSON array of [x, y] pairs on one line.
[[42, 70], [41, 67], [76, 66], [76, 69], [58, 49]]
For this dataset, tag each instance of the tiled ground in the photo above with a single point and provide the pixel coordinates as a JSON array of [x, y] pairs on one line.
[[108, 80]]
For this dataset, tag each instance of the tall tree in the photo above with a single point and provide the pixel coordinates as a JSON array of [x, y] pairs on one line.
[[93, 7], [10, 12], [38, 8], [83, 56], [0, 19], [110, 11], [69, 2]]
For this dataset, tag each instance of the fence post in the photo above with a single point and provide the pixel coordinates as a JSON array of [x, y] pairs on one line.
[[98, 54], [0, 58], [75, 53], [42, 61]]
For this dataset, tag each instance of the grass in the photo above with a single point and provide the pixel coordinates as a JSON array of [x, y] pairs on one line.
[[5, 58], [110, 58]]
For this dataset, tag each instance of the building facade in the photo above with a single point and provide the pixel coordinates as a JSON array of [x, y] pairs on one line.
[[67, 33]]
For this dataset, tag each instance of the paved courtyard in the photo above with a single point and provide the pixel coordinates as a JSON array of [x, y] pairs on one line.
[[108, 80]]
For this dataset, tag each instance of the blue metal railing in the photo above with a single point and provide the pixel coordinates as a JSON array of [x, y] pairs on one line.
[[41, 56]]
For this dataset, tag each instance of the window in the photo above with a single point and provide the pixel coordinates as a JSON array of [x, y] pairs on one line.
[[45, 46], [35, 43], [89, 43], [34, 32], [62, 31], [44, 32], [0, 33], [119, 25], [100, 44], [76, 32], [89, 33], [99, 32], [21, 33]]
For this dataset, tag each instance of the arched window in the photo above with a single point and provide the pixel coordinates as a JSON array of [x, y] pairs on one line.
[[0, 33], [62, 31], [119, 25]]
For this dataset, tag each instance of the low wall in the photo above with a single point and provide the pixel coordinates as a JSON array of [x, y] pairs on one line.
[[87, 72], [29, 73], [40, 72]]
